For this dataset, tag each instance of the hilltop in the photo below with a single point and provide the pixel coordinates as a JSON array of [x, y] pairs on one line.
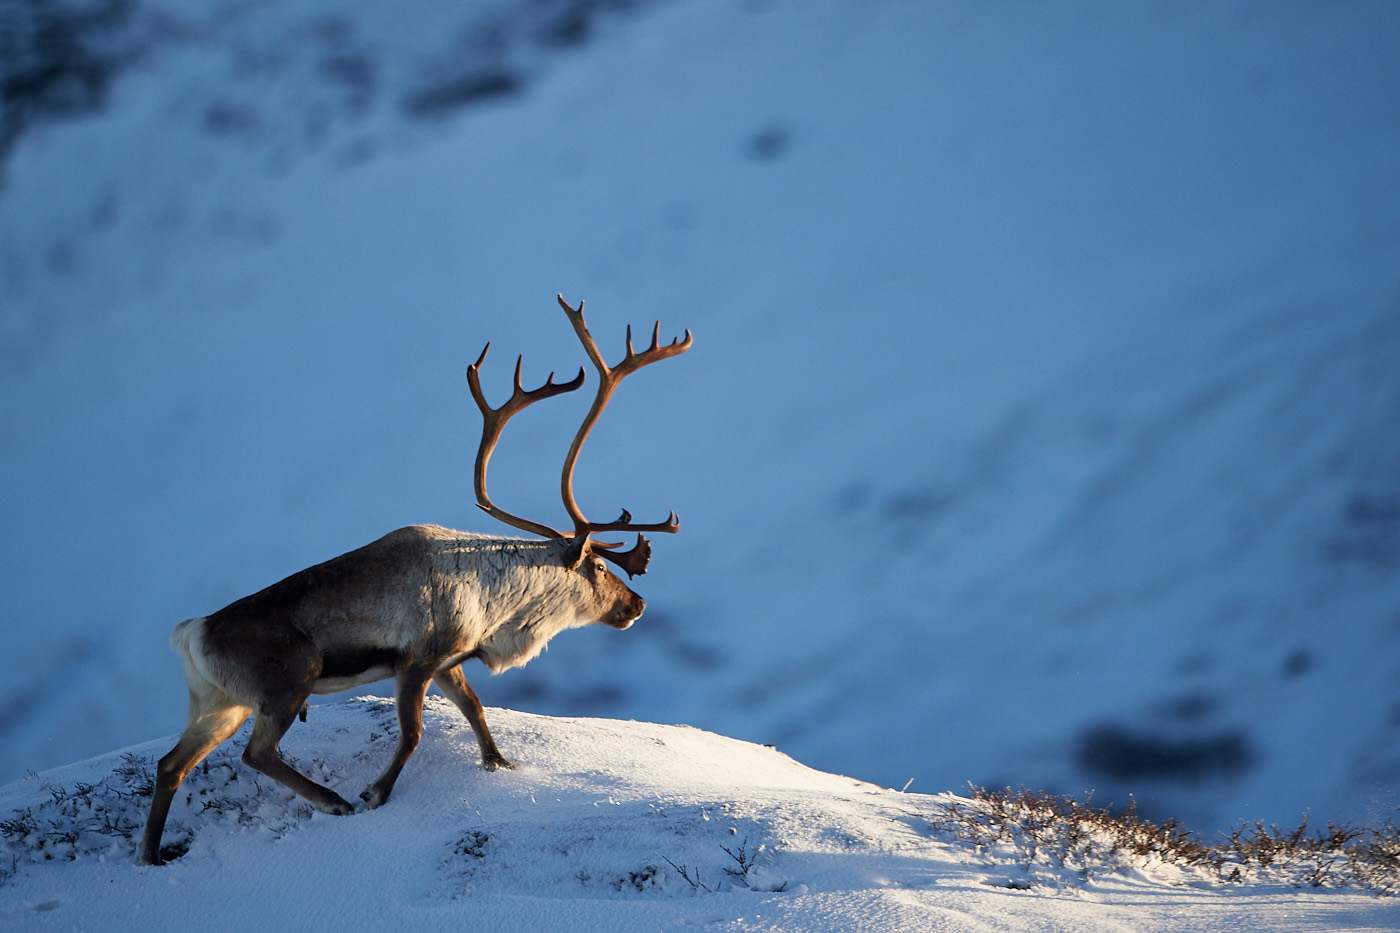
[[605, 825]]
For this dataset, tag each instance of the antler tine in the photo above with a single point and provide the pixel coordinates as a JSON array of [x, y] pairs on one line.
[[634, 361], [634, 560], [625, 523], [608, 379], [494, 419]]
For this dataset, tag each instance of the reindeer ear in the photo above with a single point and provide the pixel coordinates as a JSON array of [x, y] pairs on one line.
[[576, 552]]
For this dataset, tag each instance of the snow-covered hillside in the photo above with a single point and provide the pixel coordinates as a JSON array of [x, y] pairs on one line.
[[605, 825], [1042, 426]]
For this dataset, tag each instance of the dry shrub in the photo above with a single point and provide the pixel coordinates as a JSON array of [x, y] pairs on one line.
[[1038, 830]]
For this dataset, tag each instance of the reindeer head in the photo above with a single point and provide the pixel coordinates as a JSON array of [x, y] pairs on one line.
[[613, 601], [619, 606]]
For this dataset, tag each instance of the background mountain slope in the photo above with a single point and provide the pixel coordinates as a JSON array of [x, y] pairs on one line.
[[1042, 426]]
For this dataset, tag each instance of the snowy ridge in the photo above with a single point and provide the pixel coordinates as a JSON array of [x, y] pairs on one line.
[[605, 825]]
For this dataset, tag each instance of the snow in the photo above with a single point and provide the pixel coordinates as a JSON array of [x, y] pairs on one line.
[[1040, 429], [604, 825]]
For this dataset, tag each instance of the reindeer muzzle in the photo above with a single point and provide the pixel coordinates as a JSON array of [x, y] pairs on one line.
[[626, 612]]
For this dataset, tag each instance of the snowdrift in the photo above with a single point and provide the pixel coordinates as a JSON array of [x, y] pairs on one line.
[[604, 825]]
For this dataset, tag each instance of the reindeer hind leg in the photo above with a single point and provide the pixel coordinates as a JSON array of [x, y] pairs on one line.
[[271, 722], [214, 716]]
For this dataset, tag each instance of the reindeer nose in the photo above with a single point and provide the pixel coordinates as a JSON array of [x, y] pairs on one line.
[[627, 612]]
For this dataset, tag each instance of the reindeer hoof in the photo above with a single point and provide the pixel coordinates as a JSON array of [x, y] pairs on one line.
[[336, 806], [372, 797], [491, 764]]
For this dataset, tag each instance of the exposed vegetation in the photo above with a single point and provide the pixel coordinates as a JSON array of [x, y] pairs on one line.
[[104, 820], [1052, 838]]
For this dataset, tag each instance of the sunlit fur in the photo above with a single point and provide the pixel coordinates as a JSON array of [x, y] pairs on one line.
[[425, 591], [412, 605]]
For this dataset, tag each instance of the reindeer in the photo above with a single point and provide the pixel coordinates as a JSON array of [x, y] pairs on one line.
[[412, 606]]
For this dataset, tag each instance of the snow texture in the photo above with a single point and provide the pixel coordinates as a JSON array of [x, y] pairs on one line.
[[604, 825]]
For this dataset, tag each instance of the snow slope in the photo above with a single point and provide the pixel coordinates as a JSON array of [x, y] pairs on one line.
[[1042, 426], [605, 825]]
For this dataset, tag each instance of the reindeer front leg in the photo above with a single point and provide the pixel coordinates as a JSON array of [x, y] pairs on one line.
[[454, 686], [410, 689]]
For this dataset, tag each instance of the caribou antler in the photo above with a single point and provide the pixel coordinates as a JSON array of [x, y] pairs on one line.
[[608, 379], [493, 420], [633, 561]]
